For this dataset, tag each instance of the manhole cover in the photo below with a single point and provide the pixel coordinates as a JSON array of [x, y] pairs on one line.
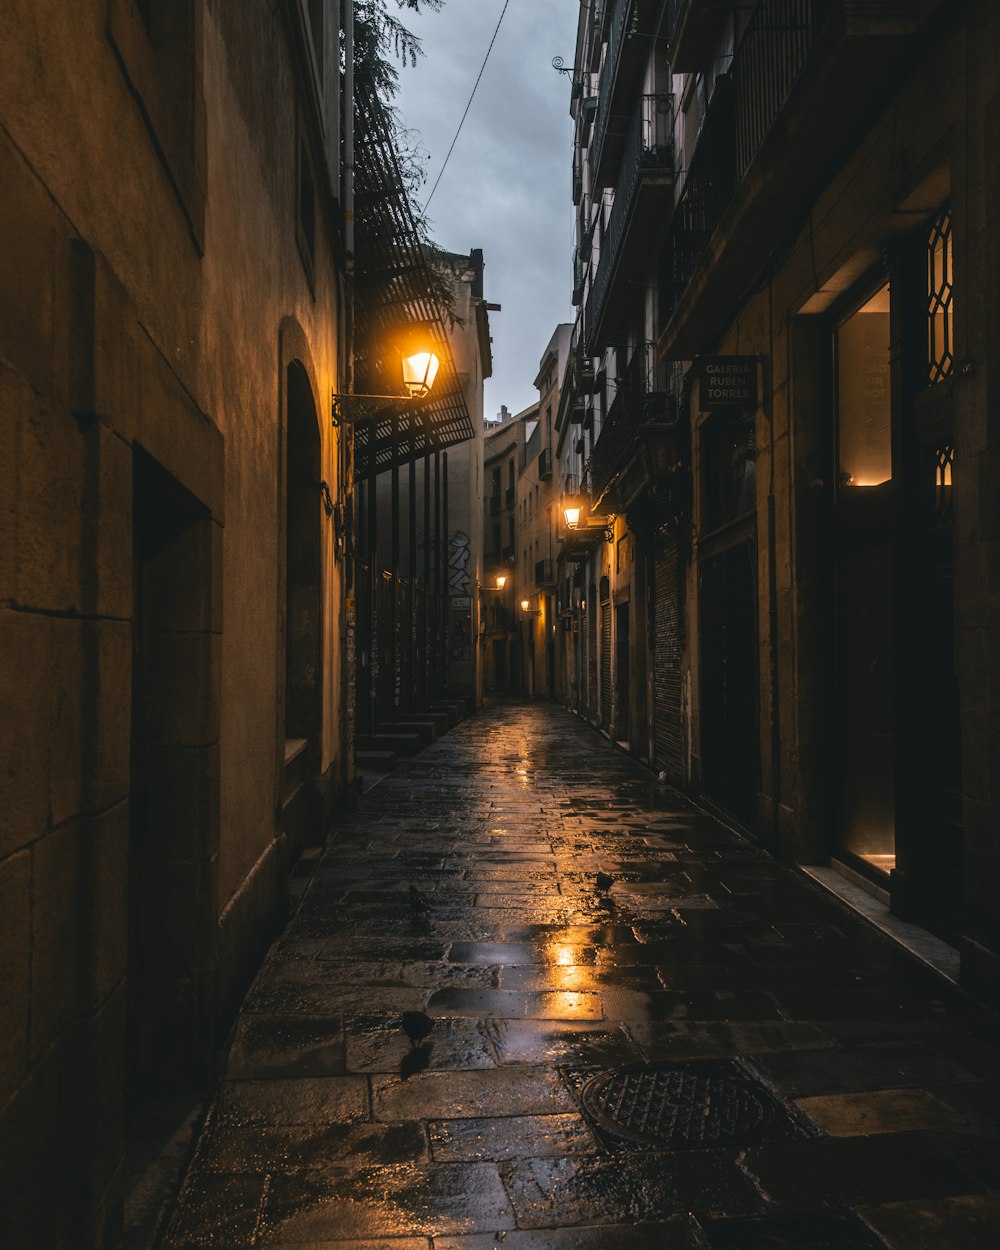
[[679, 1105]]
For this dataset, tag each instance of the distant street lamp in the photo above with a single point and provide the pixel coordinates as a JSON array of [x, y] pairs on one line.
[[571, 511], [501, 581]]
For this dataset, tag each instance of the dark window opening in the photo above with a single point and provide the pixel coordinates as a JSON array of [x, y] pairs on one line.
[[730, 485]]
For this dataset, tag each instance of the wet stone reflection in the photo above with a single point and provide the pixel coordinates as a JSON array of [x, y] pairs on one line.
[[521, 914]]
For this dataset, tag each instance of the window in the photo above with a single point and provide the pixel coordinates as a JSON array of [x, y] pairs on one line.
[[864, 446], [940, 348]]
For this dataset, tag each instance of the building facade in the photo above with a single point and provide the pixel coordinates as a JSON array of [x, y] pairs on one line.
[[177, 610], [503, 456], [427, 539], [786, 281]]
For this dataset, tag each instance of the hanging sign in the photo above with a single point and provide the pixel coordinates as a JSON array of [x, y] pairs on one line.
[[727, 383]]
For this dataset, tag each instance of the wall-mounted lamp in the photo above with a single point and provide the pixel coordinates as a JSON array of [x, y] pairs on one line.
[[419, 371], [527, 609], [573, 513], [501, 580], [419, 365]]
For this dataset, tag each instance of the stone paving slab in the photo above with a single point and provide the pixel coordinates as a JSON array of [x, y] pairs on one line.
[[333, 1130]]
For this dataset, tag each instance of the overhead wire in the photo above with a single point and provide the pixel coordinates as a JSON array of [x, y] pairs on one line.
[[472, 96]]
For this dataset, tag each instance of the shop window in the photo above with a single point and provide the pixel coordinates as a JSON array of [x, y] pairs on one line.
[[940, 347], [863, 394]]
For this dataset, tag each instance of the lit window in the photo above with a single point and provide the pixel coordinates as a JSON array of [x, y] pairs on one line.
[[940, 349], [863, 394]]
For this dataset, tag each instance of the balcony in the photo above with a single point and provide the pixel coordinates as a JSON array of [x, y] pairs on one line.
[[640, 442], [494, 505], [545, 574], [545, 463], [779, 126], [509, 497], [644, 195], [632, 23], [600, 13]]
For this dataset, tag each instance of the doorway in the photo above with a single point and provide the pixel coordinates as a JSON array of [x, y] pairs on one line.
[[173, 822], [729, 677], [622, 672], [301, 804]]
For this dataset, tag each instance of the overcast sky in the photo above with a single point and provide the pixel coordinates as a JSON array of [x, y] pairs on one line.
[[507, 186]]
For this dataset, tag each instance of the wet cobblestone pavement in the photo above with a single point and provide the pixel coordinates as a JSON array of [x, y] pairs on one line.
[[780, 1075]]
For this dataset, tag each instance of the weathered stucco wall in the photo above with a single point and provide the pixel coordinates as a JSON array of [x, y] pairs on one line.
[[153, 298]]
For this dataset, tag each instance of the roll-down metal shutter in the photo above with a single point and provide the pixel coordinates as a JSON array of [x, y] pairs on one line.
[[668, 730], [606, 664]]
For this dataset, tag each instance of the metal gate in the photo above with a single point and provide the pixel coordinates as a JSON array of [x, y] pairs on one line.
[[668, 725]]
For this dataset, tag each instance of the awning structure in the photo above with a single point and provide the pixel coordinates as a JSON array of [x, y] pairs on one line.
[[395, 287]]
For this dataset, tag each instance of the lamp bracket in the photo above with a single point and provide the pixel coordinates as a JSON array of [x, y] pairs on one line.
[[342, 405]]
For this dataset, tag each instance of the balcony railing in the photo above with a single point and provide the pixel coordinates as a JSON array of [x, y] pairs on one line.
[[509, 497], [620, 11], [636, 405], [649, 150], [766, 64], [545, 573], [494, 504], [545, 463]]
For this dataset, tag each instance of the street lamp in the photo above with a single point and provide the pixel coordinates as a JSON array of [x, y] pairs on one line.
[[501, 581], [419, 365], [573, 512], [419, 371], [527, 609]]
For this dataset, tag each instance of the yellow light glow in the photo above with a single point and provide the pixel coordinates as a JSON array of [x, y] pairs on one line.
[[525, 605], [419, 371], [501, 581], [572, 515]]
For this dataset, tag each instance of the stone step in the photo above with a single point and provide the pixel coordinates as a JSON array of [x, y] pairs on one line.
[[401, 743], [424, 716], [423, 729], [375, 761]]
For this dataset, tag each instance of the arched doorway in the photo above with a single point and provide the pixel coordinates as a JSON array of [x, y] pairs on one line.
[[303, 700]]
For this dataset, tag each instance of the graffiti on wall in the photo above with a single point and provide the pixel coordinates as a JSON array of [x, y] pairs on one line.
[[458, 563]]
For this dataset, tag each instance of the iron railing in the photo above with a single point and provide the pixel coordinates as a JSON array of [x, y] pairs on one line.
[[769, 59], [544, 572], [650, 147], [637, 403], [620, 12]]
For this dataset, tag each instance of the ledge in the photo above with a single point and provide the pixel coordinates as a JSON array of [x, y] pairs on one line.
[[938, 955]]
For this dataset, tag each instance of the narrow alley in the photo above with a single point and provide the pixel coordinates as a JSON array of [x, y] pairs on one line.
[[707, 1051]]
